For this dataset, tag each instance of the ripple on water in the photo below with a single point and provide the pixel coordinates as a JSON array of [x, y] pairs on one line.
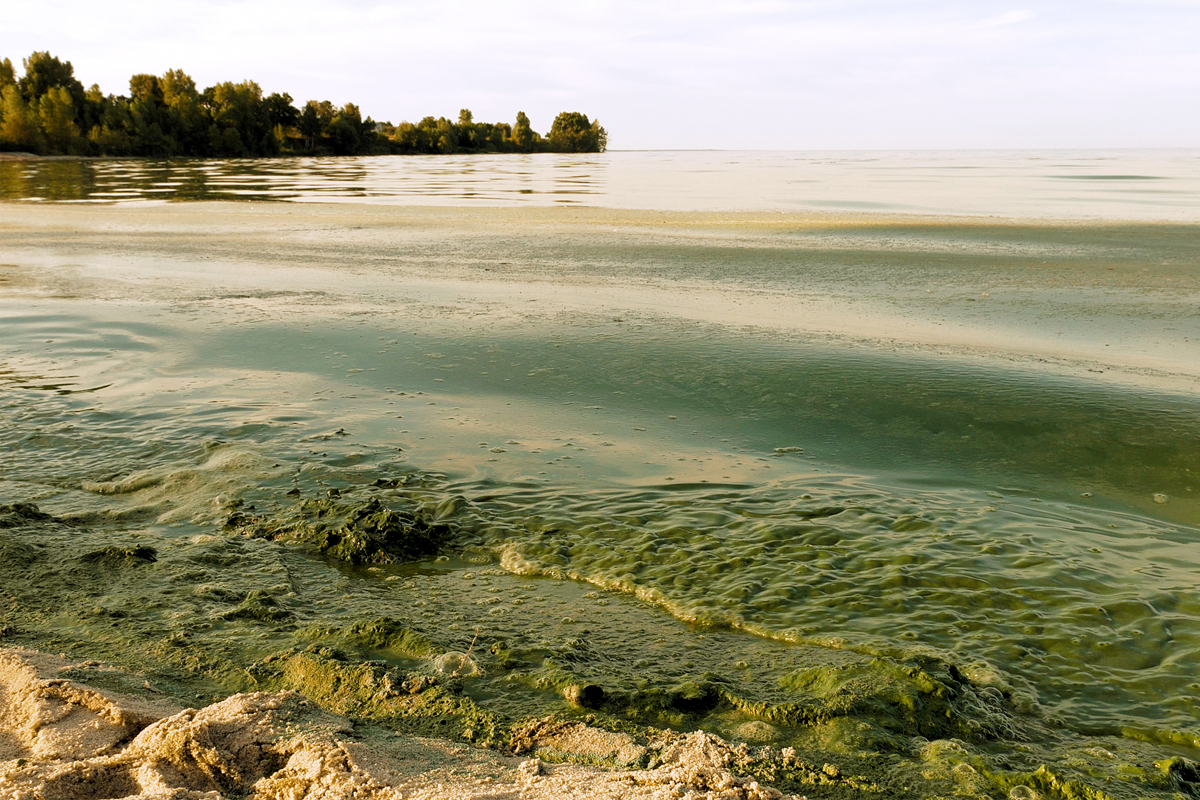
[[1056, 594]]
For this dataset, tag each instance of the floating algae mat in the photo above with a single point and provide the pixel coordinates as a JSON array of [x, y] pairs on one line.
[[458, 646], [479, 509]]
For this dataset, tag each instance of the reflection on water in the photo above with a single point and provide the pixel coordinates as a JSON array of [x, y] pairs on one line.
[[449, 180], [1129, 184]]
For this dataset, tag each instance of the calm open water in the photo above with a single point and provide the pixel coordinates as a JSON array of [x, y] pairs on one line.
[[905, 493], [1132, 184]]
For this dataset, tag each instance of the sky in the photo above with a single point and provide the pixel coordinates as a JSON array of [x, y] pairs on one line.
[[700, 74]]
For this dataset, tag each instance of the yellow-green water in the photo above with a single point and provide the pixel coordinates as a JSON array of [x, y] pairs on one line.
[[910, 493]]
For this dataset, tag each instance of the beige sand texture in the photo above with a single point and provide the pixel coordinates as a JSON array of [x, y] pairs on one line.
[[62, 740]]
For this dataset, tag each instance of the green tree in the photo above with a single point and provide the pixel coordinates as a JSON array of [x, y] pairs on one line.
[[410, 138], [19, 128], [148, 124], [108, 141], [344, 136], [44, 72], [184, 117], [225, 142], [501, 135], [94, 105], [490, 137], [522, 133], [166, 115], [239, 107], [283, 117], [573, 132], [326, 112], [310, 123], [351, 113], [446, 137], [56, 113], [111, 132], [466, 131], [348, 132], [177, 88], [110, 124], [146, 88], [280, 110], [149, 139]]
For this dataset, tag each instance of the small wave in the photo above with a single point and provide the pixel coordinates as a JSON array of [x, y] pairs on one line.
[[194, 493]]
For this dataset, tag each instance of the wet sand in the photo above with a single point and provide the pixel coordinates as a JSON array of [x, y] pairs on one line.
[[61, 738]]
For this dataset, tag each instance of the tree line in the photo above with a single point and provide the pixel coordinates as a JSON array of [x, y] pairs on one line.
[[47, 111]]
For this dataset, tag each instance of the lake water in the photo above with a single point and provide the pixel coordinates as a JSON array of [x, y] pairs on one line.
[[889, 458], [1131, 184]]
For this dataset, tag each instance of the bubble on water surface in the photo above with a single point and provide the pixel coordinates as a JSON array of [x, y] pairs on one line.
[[456, 663]]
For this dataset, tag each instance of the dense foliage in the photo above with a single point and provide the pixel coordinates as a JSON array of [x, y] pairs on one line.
[[48, 111]]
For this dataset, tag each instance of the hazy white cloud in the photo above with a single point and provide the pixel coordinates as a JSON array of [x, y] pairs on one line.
[[765, 73]]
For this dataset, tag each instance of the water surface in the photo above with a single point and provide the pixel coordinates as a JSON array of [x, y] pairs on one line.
[[908, 493], [1069, 184]]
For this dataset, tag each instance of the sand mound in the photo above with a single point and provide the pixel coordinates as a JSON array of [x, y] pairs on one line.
[[50, 718], [61, 740]]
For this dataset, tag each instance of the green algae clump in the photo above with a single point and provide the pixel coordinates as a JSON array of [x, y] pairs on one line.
[[408, 702], [926, 696], [116, 557], [358, 532], [389, 635], [261, 606], [379, 636], [14, 515], [15, 555]]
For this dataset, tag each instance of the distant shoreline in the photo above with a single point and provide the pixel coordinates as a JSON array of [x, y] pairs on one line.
[[35, 157], [22, 156]]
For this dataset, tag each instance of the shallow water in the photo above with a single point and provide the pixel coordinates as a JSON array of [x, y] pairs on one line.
[[770, 459]]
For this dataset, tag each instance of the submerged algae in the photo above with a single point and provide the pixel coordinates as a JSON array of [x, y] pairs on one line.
[[259, 605], [15, 514], [926, 696], [359, 532], [862, 731], [227, 613], [113, 557], [412, 703], [388, 635], [418, 704]]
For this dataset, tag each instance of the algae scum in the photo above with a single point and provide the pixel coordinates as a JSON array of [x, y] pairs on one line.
[[482, 612], [483, 513]]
